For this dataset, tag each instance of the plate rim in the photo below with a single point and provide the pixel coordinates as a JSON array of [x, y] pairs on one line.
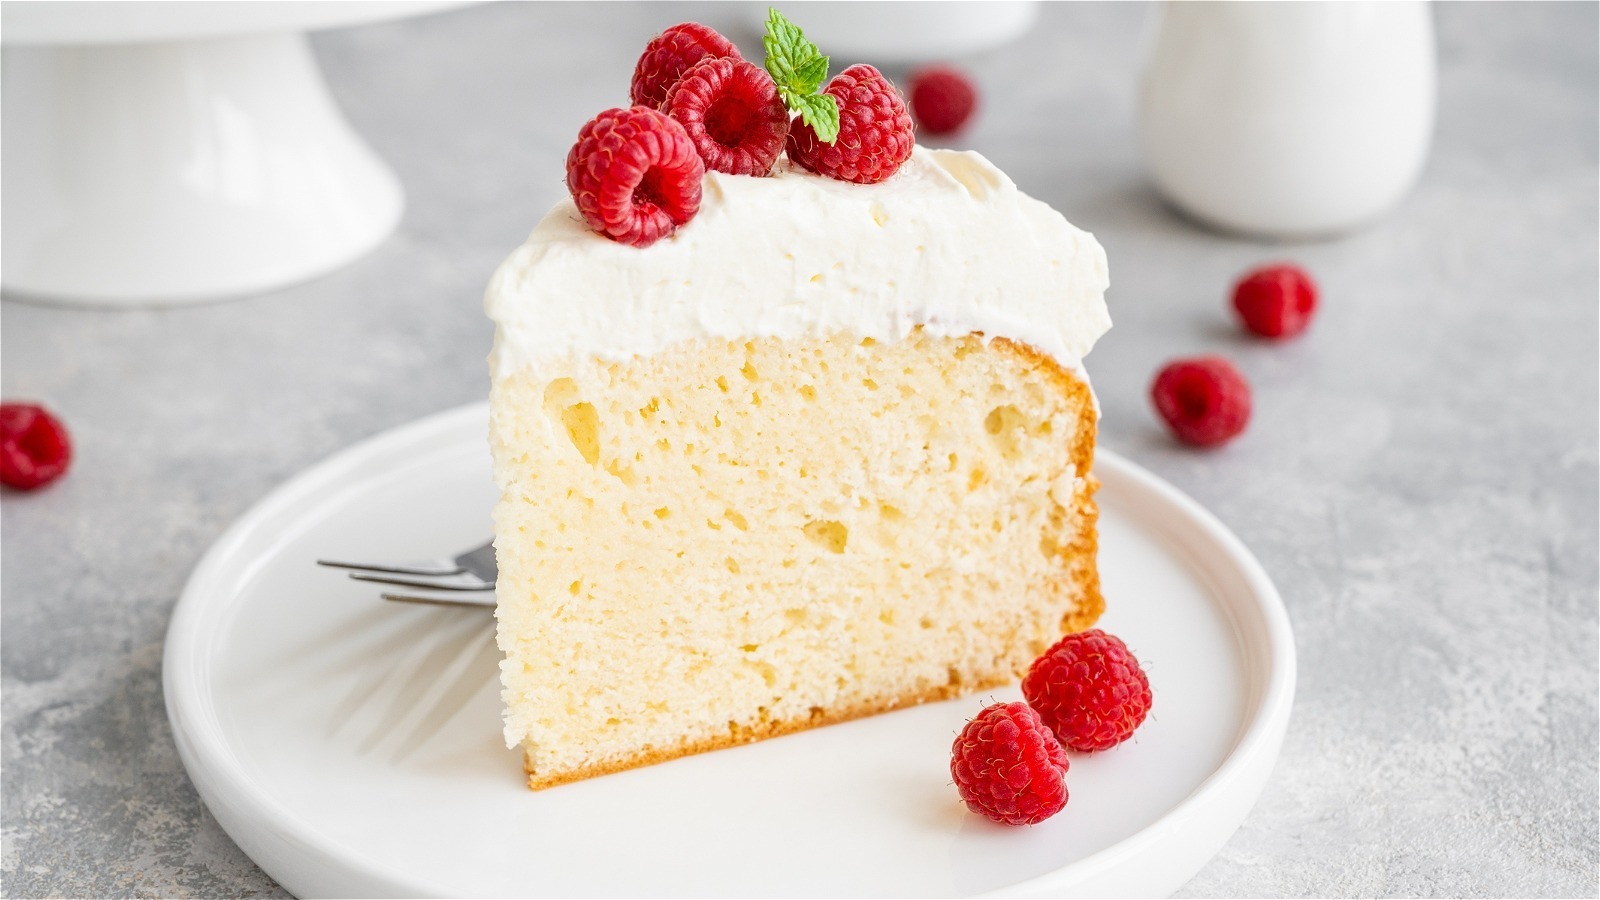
[[275, 830], [1255, 751]]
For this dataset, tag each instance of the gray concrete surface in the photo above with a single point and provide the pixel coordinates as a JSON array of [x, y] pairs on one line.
[[1419, 479]]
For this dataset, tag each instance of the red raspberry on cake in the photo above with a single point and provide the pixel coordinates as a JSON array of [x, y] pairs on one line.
[[942, 99], [733, 114], [1008, 767], [1204, 400], [669, 54], [634, 175], [875, 130], [34, 447], [1276, 301], [1089, 690]]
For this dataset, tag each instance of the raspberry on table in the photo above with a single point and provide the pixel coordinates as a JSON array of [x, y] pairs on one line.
[[34, 447], [1276, 301], [875, 130], [733, 114], [669, 54], [1089, 690], [1204, 400], [942, 98], [1008, 767], [634, 175]]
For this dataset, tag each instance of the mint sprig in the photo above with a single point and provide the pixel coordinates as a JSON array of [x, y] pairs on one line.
[[799, 69]]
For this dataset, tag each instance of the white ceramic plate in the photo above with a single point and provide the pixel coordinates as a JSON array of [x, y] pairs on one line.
[[352, 747]]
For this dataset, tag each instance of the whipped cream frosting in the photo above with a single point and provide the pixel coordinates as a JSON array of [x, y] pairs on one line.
[[947, 243]]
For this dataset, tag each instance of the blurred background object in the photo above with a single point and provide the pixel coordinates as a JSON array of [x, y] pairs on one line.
[[161, 153], [1289, 120], [942, 97], [882, 34]]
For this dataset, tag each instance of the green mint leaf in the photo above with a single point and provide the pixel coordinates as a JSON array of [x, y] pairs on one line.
[[780, 34], [799, 69], [821, 112], [810, 75], [787, 48]]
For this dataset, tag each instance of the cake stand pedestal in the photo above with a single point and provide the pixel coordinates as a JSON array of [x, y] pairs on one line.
[[189, 153]]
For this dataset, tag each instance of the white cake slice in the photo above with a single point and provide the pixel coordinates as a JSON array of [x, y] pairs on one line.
[[823, 453]]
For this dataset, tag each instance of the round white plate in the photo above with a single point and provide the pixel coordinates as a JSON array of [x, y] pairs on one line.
[[352, 747]]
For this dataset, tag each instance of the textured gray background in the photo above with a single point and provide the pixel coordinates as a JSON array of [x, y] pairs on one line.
[[1419, 479]]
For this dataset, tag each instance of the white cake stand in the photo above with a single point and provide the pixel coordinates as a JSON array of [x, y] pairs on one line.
[[163, 153]]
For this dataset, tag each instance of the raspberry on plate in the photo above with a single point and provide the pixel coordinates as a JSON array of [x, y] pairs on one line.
[[1089, 690], [1276, 301], [875, 130], [1204, 400], [34, 447], [733, 114], [635, 175], [1008, 767], [669, 54], [942, 99]]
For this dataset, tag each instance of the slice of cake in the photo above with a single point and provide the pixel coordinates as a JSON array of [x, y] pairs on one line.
[[823, 452]]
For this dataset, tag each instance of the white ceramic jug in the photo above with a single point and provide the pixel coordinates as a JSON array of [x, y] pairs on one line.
[[1289, 120]]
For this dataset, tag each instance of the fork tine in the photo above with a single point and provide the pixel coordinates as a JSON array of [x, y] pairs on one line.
[[441, 601], [476, 585], [426, 567]]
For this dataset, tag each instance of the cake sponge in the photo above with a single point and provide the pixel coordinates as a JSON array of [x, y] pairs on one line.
[[733, 539]]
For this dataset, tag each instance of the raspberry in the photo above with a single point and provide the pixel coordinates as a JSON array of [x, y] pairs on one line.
[[34, 448], [733, 114], [875, 131], [1089, 690], [635, 175], [1008, 767], [942, 99], [1276, 301], [670, 53], [1204, 400]]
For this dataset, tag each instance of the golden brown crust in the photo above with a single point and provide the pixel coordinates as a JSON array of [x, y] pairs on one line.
[[744, 734], [1084, 570], [1083, 574]]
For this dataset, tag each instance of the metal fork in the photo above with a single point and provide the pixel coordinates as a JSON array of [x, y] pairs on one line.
[[471, 571]]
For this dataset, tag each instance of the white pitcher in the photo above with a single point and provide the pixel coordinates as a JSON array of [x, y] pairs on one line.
[[1289, 120]]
